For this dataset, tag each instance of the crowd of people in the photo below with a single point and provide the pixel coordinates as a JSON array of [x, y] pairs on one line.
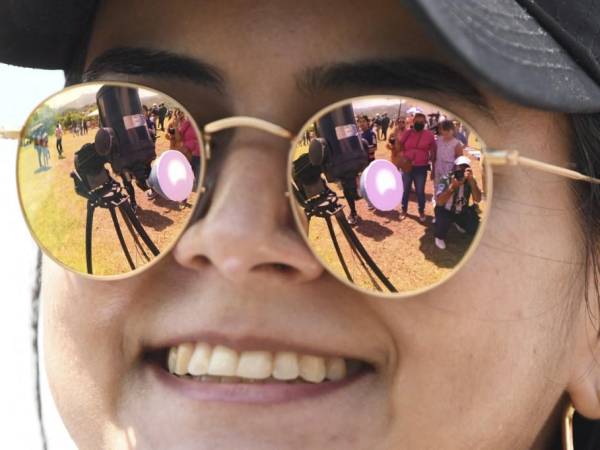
[[425, 146], [180, 134], [81, 127]]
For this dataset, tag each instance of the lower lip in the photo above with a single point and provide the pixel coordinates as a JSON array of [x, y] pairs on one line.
[[260, 393]]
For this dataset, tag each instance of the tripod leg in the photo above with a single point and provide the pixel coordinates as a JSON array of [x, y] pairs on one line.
[[88, 237], [113, 216], [130, 190], [134, 235], [337, 248], [363, 252], [359, 256], [140, 229]]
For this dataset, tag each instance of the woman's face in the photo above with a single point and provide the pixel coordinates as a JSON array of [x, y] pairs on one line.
[[447, 134], [479, 362]]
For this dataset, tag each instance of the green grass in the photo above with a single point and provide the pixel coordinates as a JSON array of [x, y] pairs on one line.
[[57, 215]]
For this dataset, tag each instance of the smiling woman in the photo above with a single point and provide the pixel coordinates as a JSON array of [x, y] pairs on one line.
[[271, 320]]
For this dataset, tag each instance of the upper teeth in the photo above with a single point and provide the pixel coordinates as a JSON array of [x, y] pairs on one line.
[[201, 359]]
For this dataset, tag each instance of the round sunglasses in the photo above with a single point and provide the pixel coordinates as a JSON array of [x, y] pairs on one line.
[[111, 174]]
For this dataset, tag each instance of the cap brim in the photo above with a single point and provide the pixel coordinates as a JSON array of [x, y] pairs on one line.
[[41, 33], [507, 47], [497, 39]]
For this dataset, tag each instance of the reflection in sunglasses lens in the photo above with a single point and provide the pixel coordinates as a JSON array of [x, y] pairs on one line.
[[388, 207], [107, 176]]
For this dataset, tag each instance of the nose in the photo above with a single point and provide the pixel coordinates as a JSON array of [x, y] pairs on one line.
[[248, 233]]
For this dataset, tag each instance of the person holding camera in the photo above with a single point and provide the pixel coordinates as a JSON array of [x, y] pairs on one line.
[[452, 202]]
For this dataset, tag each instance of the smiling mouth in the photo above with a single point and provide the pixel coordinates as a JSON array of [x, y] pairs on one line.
[[204, 363]]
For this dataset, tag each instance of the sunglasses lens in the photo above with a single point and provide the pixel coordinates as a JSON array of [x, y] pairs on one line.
[[368, 202], [107, 176]]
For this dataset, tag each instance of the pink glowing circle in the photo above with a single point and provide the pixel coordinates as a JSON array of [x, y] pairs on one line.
[[381, 185], [174, 175]]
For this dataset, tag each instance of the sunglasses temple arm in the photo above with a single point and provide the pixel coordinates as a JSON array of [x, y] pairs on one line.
[[512, 158]]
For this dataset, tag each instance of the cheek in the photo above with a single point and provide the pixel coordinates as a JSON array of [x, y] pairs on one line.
[[85, 354], [468, 350]]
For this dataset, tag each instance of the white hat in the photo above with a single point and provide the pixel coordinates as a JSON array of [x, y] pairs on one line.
[[462, 160]]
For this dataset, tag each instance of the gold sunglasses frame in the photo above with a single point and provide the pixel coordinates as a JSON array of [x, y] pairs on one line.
[[490, 158]]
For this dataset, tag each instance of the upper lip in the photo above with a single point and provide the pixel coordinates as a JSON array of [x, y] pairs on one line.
[[320, 322], [242, 343]]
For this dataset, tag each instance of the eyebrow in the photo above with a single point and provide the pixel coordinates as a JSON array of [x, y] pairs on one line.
[[157, 63], [410, 74]]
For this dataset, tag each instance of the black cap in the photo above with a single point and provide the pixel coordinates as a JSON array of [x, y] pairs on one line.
[[542, 53], [43, 33]]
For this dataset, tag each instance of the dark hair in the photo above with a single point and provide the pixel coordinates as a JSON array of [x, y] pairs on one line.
[[586, 155], [35, 316], [421, 115], [447, 125]]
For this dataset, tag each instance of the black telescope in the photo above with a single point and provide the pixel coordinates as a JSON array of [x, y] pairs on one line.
[[124, 137], [339, 149]]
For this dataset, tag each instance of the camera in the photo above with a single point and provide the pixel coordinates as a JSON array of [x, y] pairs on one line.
[[459, 175]]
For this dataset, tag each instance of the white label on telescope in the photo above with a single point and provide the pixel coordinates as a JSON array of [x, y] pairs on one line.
[[345, 131], [134, 121]]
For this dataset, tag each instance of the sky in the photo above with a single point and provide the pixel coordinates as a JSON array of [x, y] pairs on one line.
[[21, 90]]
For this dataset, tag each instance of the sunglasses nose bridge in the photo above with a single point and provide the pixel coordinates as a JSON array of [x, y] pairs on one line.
[[247, 122]]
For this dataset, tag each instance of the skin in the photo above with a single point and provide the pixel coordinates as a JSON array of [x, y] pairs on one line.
[[485, 361]]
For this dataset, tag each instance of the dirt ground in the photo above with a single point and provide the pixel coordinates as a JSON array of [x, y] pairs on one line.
[[403, 249], [58, 215]]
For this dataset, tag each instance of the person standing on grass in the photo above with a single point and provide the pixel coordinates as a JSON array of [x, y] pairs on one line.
[[416, 145], [460, 133], [385, 124], [448, 148], [150, 123], [397, 132], [45, 150], [377, 125], [38, 149], [368, 136], [58, 133], [162, 112]]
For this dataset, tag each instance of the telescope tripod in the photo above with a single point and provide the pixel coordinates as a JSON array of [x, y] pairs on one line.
[[325, 206], [110, 196]]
